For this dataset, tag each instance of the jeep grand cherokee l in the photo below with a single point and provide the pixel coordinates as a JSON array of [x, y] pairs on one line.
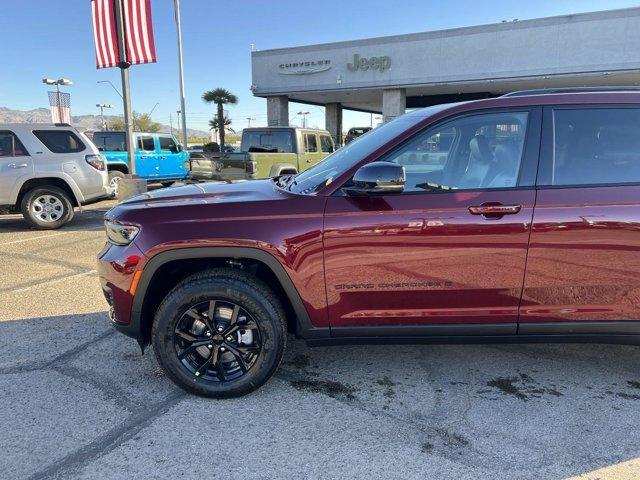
[[515, 219]]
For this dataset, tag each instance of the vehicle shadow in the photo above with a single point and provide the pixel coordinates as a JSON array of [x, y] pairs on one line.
[[502, 411]]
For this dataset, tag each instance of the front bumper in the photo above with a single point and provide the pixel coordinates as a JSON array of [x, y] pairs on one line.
[[116, 268]]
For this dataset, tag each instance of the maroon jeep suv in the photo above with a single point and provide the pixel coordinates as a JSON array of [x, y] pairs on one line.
[[513, 219]]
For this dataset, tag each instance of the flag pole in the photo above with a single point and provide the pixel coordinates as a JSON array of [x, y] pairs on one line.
[[126, 95], [176, 5]]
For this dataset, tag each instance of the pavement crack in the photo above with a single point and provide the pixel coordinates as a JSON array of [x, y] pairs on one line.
[[60, 359], [112, 439]]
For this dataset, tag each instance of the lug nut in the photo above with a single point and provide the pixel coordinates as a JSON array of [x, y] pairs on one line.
[[220, 329], [229, 338], [208, 334], [210, 346], [222, 349]]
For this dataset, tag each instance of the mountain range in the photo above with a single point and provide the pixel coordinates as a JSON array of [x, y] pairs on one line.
[[81, 122]]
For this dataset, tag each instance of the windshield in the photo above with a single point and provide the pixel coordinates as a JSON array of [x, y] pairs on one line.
[[322, 174]]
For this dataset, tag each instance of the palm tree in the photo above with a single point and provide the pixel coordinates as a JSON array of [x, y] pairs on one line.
[[220, 97], [213, 124]]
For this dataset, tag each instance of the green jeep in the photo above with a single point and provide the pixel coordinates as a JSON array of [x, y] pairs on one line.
[[265, 152]]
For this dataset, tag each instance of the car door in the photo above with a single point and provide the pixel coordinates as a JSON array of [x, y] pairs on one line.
[[147, 153], [583, 270], [448, 254], [16, 166], [171, 158], [311, 154]]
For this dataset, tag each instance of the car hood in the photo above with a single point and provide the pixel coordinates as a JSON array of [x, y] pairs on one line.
[[204, 193]]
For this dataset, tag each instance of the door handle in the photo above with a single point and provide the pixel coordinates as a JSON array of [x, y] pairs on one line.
[[494, 210], [162, 158], [18, 165]]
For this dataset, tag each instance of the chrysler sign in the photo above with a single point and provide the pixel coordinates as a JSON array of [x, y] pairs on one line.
[[305, 68]]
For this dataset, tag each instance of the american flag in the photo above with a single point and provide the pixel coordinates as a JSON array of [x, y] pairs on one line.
[[60, 105], [138, 33]]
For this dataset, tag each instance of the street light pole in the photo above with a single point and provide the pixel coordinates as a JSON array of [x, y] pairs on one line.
[[249, 121], [102, 106], [304, 118], [57, 83], [176, 5]]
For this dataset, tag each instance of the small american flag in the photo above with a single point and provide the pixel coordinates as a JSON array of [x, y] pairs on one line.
[[138, 33], [60, 105]]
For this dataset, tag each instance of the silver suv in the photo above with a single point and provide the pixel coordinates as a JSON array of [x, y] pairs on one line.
[[47, 170]]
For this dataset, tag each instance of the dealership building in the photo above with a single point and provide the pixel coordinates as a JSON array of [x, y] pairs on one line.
[[388, 75]]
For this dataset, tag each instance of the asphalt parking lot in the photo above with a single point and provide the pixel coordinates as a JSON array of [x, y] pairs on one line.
[[78, 401]]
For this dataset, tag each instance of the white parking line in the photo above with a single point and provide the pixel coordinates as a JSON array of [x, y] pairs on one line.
[[12, 242], [57, 280]]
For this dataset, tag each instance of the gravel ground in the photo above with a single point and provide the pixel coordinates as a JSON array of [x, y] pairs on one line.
[[78, 401]]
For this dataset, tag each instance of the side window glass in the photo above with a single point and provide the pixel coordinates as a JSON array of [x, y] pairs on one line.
[[326, 144], [60, 141], [468, 153], [596, 146], [11, 146], [146, 144], [267, 141], [168, 144], [310, 143]]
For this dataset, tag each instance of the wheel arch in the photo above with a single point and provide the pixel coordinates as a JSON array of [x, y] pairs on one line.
[[47, 182], [192, 260], [280, 168], [117, 167]]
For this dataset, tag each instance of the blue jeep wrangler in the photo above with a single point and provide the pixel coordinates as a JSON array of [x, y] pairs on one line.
[[159, 157]]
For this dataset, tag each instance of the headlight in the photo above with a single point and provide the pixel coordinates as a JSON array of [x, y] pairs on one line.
[[120, 233]]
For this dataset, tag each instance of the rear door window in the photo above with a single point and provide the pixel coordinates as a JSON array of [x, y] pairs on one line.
[[593, 146], [310, 143], [60, 141], [268, 141], [146, 143], [10, 145]]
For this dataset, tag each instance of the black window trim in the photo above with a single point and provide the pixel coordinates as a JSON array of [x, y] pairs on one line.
[[79, 140], [527, 176], [546, 143], [11, 132]]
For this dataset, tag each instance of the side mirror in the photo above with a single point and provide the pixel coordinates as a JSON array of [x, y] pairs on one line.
[[377, 178]]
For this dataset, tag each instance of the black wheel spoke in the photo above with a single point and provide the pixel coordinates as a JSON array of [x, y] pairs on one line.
[[236, 353], [234, 316], [248, 348], [204, 364], [197, 316], [217, 363], [186, 336]]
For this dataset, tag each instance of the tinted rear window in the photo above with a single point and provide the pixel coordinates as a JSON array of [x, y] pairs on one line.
[[594, 146], [60, 141], [110, 142], [10, 146], [270, 141]]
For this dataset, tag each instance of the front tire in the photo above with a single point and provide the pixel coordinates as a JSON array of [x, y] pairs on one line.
[[220, 333], [47, 208]]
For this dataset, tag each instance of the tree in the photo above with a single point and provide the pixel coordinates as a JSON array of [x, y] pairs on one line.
[[213, 123], [220, 97], [141, 123]]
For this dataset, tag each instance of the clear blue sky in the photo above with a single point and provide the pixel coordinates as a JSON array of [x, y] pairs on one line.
[[53, 38]]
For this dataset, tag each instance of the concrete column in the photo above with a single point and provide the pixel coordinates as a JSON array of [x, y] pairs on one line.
[[333, 121], [394, 103], [278, 111]]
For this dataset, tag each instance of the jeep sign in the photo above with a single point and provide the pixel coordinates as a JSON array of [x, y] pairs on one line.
[[373, 63]]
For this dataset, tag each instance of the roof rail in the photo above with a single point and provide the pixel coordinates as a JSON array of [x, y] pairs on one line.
[[549, 91], [62, 124]]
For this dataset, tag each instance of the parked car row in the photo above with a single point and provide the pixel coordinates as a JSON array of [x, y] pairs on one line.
[[515, 219]]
